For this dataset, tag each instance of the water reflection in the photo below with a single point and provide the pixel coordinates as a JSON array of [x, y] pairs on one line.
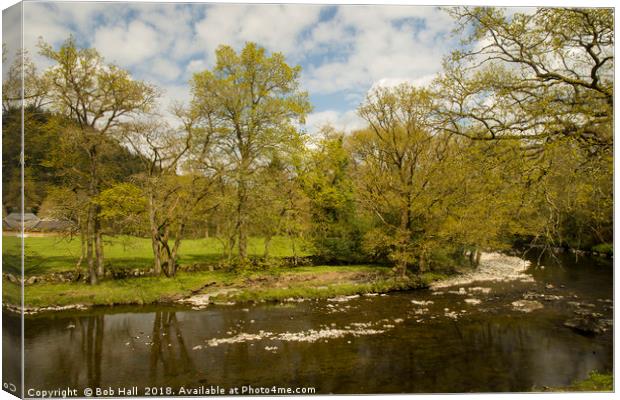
[[11, 353], [92, 346], [168, 356]]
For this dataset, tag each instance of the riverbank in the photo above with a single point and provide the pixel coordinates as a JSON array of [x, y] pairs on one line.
[[197, 289], [595, 382]]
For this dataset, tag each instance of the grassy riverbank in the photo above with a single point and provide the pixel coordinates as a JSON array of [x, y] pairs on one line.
[[269, 285]]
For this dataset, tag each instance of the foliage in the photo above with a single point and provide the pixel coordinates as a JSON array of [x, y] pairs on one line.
[[23, 74], [95, 98], [542, 76], [250, 99], [326, 179], [122, 206], [604, 248], [543, 79]]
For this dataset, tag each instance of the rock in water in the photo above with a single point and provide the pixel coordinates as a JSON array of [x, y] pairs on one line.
[[526, 305], [588, 324]]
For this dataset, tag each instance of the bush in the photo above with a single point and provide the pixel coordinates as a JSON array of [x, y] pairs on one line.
[[604, 248]]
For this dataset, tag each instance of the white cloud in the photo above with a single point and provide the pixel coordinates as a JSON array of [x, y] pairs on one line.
[[345, 55], [127, 45], [378, 43], [346, 121], [393, 82], [196, 66], [11, 36], [274, 26], [165, 69]]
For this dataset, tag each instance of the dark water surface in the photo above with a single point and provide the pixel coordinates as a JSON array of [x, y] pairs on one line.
[[378, 344]]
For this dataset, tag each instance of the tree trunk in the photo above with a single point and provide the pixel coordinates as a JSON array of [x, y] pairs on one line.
[[232, 242], [405, 228], [294, 248], [165, 251], [267, 243], [82, 229], [472, 257], [99, 246], [422, 262], [401, 268], [241, 220], [154, 236], [90, 259], [175, 250], [92, 251], [478, 255]]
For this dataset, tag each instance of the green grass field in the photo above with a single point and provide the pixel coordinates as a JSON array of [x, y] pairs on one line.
[[57, 253]]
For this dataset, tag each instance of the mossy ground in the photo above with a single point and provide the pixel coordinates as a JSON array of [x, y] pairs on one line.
[[595, 382]]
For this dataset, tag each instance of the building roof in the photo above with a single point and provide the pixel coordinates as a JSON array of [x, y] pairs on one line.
[[17, 217]]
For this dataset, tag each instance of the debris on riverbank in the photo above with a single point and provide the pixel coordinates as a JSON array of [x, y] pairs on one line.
[[36, 310]]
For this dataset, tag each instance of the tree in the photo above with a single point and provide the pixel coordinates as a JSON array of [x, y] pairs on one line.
[[543, 79], [253, 98], [396, 159], [35, 86], [538, 77], [326, 179], [279, 205], [40, 139], [175, 180], [98, 97]]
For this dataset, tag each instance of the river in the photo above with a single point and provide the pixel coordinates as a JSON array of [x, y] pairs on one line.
[[410, 342]]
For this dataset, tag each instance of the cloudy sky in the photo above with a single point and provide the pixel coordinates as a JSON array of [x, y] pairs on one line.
[[343, 50]]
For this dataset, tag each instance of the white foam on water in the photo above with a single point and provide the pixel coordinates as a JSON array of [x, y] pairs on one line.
[[494, 267]]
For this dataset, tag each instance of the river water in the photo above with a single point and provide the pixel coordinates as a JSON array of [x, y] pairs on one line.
[[410, 342]]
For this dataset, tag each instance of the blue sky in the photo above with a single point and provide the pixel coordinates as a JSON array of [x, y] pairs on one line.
[[344, 50]]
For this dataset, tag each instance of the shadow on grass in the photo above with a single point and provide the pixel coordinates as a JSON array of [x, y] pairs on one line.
[[38, 265]]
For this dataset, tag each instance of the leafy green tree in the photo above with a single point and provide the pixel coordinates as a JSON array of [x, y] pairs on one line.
[[98, 97], [123, 207], [335, 230], [395, 158], [254, 99], [541, 77], [40, 140], [169, 197]]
